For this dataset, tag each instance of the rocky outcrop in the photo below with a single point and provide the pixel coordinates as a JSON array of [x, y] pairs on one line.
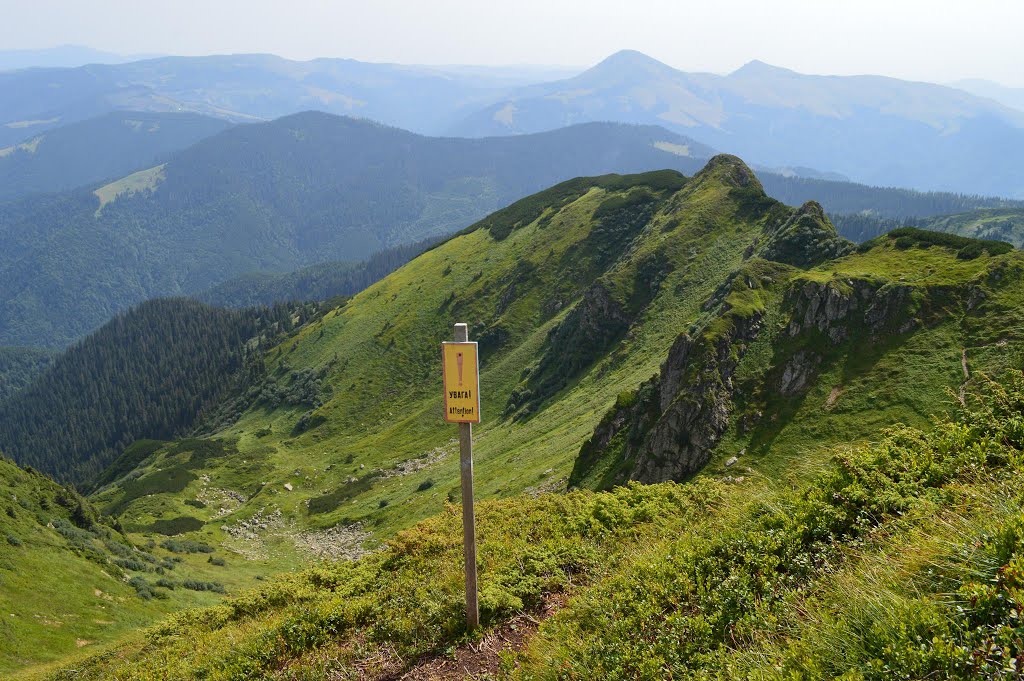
[[668, 428], [834, 307], [798, 372], [807, 238]]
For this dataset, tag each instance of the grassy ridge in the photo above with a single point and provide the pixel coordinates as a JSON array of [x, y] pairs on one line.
[[380, 394], [369, 446]]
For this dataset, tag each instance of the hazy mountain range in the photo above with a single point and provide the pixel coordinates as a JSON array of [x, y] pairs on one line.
[[1010, 96], [260, 200], [64, 56], [871, 129], [876, 130], [106, 147]]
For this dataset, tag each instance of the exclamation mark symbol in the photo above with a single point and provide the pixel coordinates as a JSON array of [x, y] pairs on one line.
[[458, 360]]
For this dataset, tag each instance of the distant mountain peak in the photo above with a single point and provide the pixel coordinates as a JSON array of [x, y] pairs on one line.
[[757, 67], [629, 62]]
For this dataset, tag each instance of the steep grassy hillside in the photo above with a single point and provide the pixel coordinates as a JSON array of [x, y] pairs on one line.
[[102, 148], [792, 358], [768, 339], [272, 198], [71, 581], [371, 445]]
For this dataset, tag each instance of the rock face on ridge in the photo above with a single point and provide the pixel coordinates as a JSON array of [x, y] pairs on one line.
[[807, 238], [667, 429]]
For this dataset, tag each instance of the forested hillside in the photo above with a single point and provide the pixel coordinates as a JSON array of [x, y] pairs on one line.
[[150, 372], [316, 282], [103, 148], [18, 366], [272, 198], [845, 198], [1001, 224]]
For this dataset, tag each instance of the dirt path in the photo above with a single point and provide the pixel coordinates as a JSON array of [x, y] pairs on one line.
[[480, 660]]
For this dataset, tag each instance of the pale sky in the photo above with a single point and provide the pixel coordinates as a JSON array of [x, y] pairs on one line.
[[938, 40]]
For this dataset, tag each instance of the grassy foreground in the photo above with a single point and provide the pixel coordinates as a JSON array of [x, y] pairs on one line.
[[899, 559]]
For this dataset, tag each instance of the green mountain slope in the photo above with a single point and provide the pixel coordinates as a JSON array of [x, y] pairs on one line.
[[272, 198], [102, 148], [71, 581], [648, 327], [791, 341], [897, 559]]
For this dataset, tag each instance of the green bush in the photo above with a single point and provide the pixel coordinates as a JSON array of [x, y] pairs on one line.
[[966, 248], [186, 546], [131, 564], [196, 585], [173, 526]]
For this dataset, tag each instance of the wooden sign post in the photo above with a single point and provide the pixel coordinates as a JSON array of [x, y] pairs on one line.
[[462, 405]]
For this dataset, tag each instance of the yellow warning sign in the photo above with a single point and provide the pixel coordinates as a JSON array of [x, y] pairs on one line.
[[461, 383]]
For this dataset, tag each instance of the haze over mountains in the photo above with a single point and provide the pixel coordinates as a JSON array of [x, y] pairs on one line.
[[875, 130], [1010, 96], [64, 56], [245, 88], [308, 189]]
